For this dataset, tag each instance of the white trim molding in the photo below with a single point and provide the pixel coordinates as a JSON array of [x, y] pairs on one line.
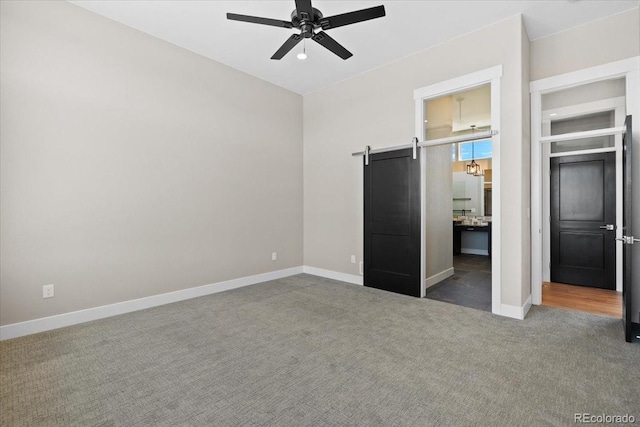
[[75, 317], [608, 71], [335, 275], [471, 251], [438, 277], [516, 312], [583, 135], [458, 84]]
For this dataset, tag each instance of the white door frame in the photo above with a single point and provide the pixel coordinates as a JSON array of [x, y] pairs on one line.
[[490, 75], [628, 69], [617, 105]]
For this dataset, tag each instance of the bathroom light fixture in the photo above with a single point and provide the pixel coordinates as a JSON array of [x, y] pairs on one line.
[[474, 168]]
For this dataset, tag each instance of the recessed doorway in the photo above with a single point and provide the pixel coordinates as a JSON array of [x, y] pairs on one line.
[[583, 197], [458, 190], [551, 99]]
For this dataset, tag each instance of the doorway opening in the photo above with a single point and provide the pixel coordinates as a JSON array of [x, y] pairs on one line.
[[627, 70], [583, 198], [458, 193]]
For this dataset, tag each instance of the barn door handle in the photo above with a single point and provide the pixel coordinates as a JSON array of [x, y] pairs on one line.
[[608, 227]]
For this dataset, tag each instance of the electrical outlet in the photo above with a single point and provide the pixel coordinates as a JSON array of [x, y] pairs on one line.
[[274, 256], [47, 291], [353, 259]]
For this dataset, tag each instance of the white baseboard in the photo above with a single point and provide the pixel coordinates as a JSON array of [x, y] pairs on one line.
[[439, 277], [335, 275], [474, 251], [73, 318], [515, 311]]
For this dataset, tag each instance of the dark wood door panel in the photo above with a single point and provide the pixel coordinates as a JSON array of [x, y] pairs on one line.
[[391, 253], [390, 202], [583, 199], [392, 222], [582, 186], [591, 259]]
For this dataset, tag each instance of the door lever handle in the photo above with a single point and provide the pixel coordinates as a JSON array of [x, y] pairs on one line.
[[628, 240], [608, 227]]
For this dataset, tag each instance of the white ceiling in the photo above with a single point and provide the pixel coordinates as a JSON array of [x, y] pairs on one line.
[[409, 27]]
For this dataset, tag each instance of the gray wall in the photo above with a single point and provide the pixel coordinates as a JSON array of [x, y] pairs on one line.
[[600, 42], [606, 40], [131, 167], [525, 164], [377, 108], [439, 210]]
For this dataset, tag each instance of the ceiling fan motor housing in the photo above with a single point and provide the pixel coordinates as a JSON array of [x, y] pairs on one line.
[[308, 23]]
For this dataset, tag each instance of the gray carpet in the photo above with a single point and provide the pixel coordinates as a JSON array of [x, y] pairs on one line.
[[311, 351]]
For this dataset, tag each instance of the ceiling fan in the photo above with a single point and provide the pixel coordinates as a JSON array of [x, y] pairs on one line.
[[309, 19]]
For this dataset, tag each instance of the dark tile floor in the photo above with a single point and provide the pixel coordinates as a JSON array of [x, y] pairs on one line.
[[470, 285]]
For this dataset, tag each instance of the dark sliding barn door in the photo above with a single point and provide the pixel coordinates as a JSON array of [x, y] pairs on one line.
[[583, 217], [392, 222]]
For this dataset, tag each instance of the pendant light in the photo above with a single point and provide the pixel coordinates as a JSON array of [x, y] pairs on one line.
[[474, 168]]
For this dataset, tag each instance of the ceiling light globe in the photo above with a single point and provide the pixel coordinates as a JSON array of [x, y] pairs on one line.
[[302, 55]]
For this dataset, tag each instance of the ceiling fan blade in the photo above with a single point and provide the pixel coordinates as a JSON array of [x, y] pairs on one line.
[[304, 7], [352, 17], [259, 20], [335, 47], [287, 46]]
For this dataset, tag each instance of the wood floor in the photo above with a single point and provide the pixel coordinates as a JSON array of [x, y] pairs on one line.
[[582, 298]]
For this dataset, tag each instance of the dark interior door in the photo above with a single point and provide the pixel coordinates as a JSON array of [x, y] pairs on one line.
[[583, 204], [392, 222], [627, 247]]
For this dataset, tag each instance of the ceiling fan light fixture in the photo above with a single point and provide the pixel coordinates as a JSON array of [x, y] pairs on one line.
[[303, 55]]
